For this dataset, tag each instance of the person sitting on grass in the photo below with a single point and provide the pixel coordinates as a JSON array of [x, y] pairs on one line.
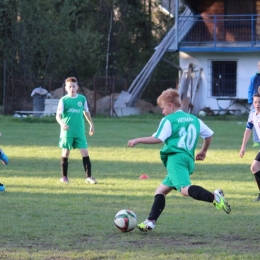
[[70, 111], [253, 123], [180, 132]]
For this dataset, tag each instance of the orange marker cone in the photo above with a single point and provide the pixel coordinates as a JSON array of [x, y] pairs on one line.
[[144, 176]]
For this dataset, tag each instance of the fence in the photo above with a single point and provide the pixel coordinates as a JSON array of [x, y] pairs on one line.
[[18, 91]]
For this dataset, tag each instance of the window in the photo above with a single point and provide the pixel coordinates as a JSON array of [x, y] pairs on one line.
[[223, 78], [240, 7]]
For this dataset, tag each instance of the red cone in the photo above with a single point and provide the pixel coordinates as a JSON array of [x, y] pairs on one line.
[[144, 176]]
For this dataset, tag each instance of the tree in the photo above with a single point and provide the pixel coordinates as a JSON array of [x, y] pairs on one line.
[[43, 39]]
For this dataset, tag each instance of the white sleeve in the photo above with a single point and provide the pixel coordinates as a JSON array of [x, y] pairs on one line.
[[60, 108], [163, 132], [86, 106], [205, 131]]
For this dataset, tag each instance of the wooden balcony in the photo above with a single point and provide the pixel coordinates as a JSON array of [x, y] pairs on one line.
[[220, 32]]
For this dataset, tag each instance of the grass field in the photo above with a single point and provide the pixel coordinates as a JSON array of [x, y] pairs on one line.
[[43, 219]]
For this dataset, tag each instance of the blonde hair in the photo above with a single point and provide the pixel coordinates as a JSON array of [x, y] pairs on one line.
[[169, 95]]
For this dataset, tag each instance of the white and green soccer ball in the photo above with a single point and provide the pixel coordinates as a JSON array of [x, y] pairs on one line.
[[125, 220]]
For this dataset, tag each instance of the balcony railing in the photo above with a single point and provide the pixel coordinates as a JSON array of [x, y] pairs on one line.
[[221, 31]]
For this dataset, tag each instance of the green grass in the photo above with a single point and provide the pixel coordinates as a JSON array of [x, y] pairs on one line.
[[43, 219]]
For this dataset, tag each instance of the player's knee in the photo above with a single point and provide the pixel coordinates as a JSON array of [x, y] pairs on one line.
[[184, 191], [254, 169]]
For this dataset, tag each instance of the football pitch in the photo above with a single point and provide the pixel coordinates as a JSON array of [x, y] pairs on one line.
[[42, 218]]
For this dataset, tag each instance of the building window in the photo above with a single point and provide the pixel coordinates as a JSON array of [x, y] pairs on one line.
[[240, 7], [223, 78]]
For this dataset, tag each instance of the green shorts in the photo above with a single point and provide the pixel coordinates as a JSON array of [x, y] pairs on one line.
[[179, 168], [71, 142]]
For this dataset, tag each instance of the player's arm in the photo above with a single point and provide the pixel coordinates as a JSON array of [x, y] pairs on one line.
[[59, 116], [201, 155], [247, 134], [88, 118], [163, 132], [144, 140], [206, 133], [250, 91]]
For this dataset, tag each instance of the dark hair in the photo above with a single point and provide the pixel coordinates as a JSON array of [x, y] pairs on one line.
[[257, 95]]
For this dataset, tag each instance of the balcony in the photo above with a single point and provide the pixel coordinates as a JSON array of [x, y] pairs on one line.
[[228, 33]]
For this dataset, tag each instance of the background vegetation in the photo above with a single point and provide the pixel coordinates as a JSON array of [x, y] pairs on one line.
[[44, 219], [43, 40]]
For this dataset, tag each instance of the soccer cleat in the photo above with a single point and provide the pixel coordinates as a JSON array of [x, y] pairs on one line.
[[258, 197], [220, 202], [147, 225], [2, 187], [256, 145], [64, 179], [91, 180], [3, 157]]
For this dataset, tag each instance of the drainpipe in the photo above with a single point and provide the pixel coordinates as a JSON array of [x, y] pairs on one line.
[[176, 23]]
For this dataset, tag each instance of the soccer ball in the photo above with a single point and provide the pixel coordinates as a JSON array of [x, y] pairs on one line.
[[202, 113], [125, 220]]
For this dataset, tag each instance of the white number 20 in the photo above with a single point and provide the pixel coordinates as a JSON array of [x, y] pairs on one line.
[[187, 137]]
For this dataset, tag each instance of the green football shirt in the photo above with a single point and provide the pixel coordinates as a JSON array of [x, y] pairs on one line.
[[71, 109], [179, 132]]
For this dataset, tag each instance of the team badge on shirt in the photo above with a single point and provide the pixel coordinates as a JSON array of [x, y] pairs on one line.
[[80, 104]]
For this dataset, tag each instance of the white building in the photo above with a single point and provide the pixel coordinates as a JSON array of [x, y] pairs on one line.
[[221, 40]]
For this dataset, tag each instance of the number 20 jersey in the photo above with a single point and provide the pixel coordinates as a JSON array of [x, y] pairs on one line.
[[180, 132]]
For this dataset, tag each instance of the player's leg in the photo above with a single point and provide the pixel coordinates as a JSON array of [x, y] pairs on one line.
[[171, 182], [2, 187], [81, 144], [255, 168], [157, 208], [66, 145], [199, 193], [87, 166], [3, 157], [64, 165]]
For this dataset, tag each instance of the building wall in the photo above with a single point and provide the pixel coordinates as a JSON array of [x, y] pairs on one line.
[[246, 68]]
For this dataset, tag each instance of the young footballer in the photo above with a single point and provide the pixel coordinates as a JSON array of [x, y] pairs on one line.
[[70, 111], [253, 122], [180, 132], [252, 90], [4, 160]]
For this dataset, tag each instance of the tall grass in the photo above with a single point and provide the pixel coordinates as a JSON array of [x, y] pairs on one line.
[[43, 219]]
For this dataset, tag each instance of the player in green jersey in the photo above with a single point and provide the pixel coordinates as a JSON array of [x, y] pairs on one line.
[[70, 111], [180, 132]]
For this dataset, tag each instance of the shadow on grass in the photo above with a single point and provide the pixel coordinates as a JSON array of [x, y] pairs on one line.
[[42, 167]]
